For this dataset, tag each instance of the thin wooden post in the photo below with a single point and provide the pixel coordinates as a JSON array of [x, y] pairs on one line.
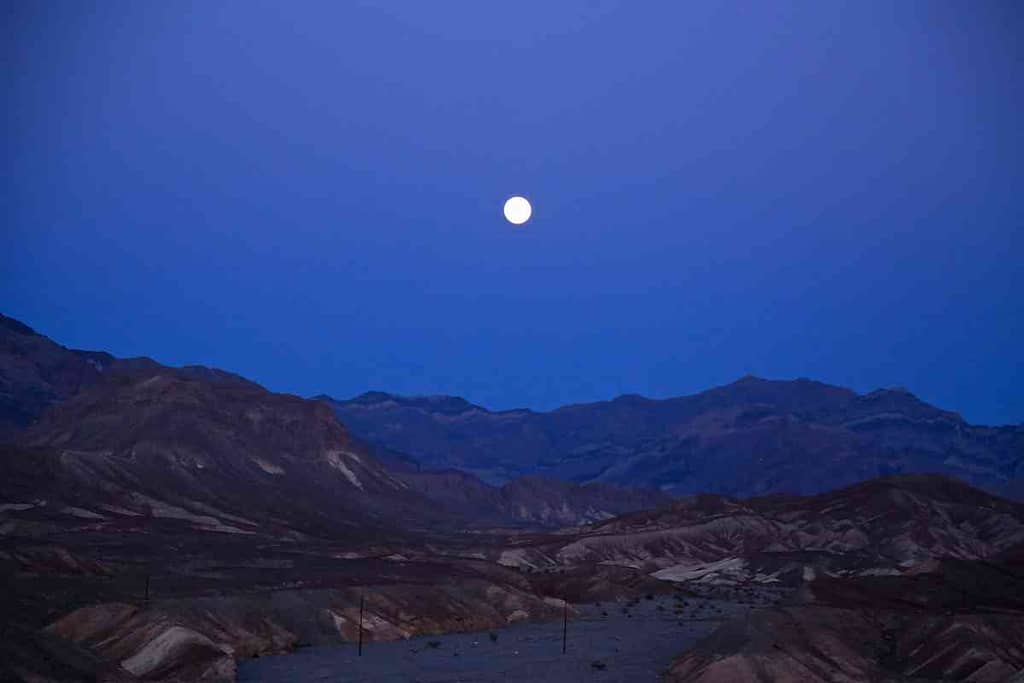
[[362, 602], [148, 575], [565, 622]]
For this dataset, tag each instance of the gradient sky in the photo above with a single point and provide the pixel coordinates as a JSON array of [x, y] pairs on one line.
[[309, 194]]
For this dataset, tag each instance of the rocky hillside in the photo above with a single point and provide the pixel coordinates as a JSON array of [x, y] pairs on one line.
[[528, 501], [907, 578], [954, 621], [205, 444], [158, 523], [877, 527], [209, 447], [751, 437]]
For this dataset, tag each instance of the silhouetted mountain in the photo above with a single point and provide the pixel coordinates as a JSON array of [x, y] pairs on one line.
[[750, 437], [36, 372]]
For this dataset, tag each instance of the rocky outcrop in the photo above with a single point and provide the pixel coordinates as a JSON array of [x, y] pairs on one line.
[[829, 645], [959, 621], [154, 645], [200, 639]]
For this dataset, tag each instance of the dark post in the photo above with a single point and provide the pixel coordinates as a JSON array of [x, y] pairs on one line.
[[147, 586], [565, 622], [362, 601]]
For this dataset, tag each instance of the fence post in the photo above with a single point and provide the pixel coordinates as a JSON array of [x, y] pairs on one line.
[[362, 601], [565, 622]]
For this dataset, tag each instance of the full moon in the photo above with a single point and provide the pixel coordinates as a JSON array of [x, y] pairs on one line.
[[517, 210]]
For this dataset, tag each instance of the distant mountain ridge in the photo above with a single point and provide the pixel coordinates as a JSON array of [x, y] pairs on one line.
[[751, 437]]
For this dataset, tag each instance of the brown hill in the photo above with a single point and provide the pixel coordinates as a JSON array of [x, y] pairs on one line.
[[528, 501], [210, 447], [958, 621], [880, 526]]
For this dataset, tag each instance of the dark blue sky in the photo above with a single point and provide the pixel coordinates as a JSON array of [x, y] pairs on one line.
[[310, 193]]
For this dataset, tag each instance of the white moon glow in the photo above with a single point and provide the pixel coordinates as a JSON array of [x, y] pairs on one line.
[[517, 210]]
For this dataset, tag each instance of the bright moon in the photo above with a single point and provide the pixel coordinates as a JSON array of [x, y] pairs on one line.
[[517, 210]]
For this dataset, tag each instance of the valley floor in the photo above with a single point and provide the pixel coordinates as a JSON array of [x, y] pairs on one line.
[[608, 642]]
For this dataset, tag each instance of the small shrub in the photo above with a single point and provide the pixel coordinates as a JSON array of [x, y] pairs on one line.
[[493, 636], [434, 644], [599, 665]]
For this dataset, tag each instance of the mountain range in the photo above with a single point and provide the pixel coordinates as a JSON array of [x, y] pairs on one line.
[[201, 442], [161, 523], [752, 437]]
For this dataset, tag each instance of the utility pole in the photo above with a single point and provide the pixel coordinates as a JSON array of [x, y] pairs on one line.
[[362, 602], [565, 622]]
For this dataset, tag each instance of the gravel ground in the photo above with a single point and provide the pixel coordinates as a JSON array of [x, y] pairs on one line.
[[604, 644]]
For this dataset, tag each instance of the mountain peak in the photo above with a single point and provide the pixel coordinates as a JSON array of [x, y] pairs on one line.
[[631, 398], [372, 397], [891, 391], [432, 403], [15, 325]]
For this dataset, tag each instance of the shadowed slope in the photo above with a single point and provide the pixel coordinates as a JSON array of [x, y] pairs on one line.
[[210, 444], [750, 437]]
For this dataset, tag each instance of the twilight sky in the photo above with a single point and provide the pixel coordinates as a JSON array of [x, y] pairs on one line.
[[309, 194]]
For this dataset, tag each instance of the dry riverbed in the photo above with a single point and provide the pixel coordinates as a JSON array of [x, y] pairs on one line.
[[612, 641]]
